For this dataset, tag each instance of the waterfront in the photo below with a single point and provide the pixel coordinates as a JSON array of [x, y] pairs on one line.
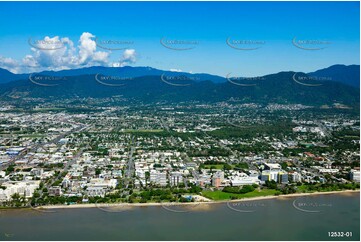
[[292, 218]]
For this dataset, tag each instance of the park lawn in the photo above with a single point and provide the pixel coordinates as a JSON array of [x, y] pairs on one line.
[[318, 188], [305, 189], [219, 195], [218, 167]]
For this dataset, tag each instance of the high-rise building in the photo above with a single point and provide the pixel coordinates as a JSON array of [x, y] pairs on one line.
[[54, 191], [295, 177], [355, 175], [283, 177], [217, 179], [158, 177], [176, 178]]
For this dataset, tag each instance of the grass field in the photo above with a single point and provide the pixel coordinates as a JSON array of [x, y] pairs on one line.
[[219, 167], [319, 188], [219, 195], [142, 130]]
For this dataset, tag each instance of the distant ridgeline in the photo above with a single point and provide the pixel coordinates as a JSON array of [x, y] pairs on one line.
[[336, 84]]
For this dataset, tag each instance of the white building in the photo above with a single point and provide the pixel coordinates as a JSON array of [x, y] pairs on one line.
[[158, 177], [295, 177], [95, 191], [241, 181], [100, 182], [23, 188], [272, 166], [268, 175], [176, 178], [328, 170], [37, 171]]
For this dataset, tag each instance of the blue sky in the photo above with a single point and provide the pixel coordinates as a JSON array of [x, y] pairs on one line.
[[331, 28]]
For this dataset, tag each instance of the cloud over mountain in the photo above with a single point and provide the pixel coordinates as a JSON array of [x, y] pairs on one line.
[[60, 53]]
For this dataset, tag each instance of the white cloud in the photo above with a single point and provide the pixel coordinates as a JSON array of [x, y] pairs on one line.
[[88, 53], [86, 47], [116, 64], [175, 70], [129, 57], [60, 53], [51, 54], [9, 64], [101, 57]]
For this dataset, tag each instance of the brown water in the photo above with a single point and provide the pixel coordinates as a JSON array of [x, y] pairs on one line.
[[303, 218]]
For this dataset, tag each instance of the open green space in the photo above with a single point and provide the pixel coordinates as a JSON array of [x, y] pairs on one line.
[[219, 195]]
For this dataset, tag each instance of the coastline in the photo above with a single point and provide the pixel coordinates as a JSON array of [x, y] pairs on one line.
[[129, 205]]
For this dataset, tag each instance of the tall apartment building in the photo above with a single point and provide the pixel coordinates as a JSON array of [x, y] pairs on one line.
[[176, 178], [158, 177]]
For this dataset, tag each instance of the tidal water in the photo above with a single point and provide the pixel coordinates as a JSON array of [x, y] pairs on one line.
[[296, 218]]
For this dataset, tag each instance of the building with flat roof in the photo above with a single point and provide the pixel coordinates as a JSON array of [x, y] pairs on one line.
[[283, 177], [95, 191], [23, 188], [355, 175], [241, 181], [295, 176], [158, 177], [217, 179], [272, 166], [274, 175], [176, 178], [55, 191]]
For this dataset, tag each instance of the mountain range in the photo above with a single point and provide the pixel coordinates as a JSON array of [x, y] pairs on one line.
[[349, 75], [126, 71], [338, 83]]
